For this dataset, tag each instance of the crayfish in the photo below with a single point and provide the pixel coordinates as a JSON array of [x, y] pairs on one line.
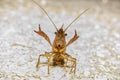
[[58, 55]]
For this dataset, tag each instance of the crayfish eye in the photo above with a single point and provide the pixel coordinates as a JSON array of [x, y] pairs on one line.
[[55, 32], [65, 34]]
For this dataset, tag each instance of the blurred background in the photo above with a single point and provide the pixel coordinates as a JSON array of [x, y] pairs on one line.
[[97, 50], [103, 9]]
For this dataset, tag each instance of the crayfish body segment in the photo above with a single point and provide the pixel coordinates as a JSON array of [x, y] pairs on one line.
[[58, 56]]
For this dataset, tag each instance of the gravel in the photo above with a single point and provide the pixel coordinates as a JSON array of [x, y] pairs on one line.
[[97, 50]]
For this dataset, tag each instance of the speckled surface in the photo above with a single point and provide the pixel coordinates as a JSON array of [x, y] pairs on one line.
[[97, 50]]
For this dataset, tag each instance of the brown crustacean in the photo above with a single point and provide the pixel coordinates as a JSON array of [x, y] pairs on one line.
[[58, 55]]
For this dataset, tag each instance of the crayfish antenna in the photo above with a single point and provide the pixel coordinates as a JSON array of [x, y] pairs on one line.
[[62, 26], [46, 14], [75, 19]]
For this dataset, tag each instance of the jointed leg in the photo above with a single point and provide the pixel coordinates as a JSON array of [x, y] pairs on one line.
[[49, 65], [73, 39], [65, 64], [43, 34], [48, 55], [74, 65], [68, 57]]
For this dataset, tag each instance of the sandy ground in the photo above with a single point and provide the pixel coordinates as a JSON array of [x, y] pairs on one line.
[[97, 50]]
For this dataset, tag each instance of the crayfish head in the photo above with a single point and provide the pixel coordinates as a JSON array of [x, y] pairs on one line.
[[59, 41]]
